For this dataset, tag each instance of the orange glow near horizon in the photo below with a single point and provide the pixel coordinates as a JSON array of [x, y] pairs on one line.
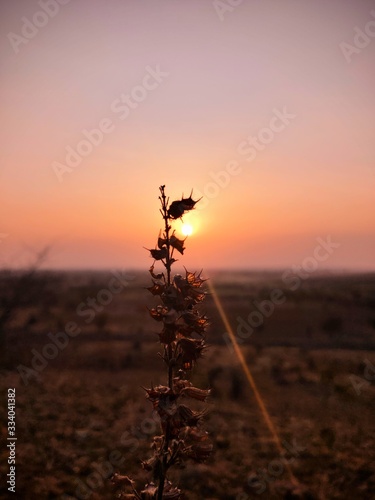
[[259, 113]]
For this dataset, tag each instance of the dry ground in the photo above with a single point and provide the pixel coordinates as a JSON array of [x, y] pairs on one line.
[[85, 415]]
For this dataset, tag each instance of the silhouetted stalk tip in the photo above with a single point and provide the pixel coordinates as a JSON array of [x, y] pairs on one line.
[[182, 335]]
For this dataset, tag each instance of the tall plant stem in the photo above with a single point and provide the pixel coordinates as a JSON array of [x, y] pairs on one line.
[[168, 265], [167, 227]]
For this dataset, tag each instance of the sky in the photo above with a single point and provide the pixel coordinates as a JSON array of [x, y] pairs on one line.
[[264, 108]]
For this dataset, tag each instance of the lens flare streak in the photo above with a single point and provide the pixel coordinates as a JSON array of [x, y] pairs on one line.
[[251, 380]]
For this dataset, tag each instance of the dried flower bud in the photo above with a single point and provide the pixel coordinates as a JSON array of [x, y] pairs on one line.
[[194, 322], [195, 393], [148, 464], [157, 288], [158, 392], [189, 289], [198, 452], [179, 207], [156, 442], [158, 276], [171, 492], [176, 210], [177, 244], [168, 334], [158, 313], [191, 350], [158, 254], [185, 416], [149, 493], [193, 279], [118, 479], [180, 384], [161, 242], [194, 433], [170, 317]]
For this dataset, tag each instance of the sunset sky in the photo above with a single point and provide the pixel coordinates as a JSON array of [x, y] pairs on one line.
[[266, 109]]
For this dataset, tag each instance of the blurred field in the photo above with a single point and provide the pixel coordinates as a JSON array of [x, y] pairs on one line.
[[85, 415]]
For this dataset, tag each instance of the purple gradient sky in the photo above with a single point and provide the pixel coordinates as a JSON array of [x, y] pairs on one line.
[[315, 178]]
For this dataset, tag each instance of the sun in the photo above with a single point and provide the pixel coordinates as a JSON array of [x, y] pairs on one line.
[[187, 229]]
